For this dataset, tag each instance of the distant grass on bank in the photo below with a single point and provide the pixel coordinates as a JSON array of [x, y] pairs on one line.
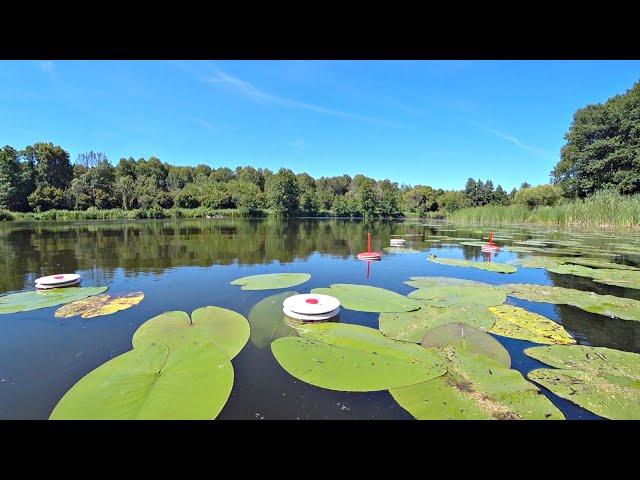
[[604, 208]]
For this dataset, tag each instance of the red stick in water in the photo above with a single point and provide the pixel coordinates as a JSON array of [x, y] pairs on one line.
[[369, 242]]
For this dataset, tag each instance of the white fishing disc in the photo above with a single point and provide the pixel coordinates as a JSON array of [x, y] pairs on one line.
[[398, 241], [39, 286], [311, 304], [59, 279], [311, 318]]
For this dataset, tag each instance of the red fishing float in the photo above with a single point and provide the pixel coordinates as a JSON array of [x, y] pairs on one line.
[[490, 247], [369, 254]]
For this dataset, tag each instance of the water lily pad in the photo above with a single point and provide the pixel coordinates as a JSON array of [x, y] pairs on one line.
[[608, 276], [33, 300], [517, 249], [462, 295], [226, 329], [354, 358], [369, 299], [401, 250], [601, 380], [99, 305], [268, 321], [475, 243], [595, 263], [412, 326], [465, 337], [475, 387], [271, 281], [428, 282], [538, 262], [516, 322], [153, 382], [489, 266], [609, 305]]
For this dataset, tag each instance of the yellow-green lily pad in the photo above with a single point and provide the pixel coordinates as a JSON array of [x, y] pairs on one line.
[[271, 281], [33, 300], [462, 295], [489, 266], [516, 322], [99, 305]]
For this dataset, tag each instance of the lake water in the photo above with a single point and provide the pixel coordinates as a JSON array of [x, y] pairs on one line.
[[183, 265]]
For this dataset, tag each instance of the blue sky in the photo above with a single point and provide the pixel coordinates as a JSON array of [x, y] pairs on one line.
[[428, 122]]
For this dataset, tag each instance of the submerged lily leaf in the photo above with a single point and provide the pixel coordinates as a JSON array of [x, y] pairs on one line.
[[516, 322], [192, 382], [465, 337], [271, 281], [462, 295], [226, 329], [354, 358], [475, 387], [624, 308], [99, 305], [601, 380], [411, 326], [33, 300], [489, 266], [268, 321], [369, 299]]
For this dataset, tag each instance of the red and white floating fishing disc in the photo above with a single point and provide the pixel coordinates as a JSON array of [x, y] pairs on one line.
[[58, 280], [311, 318], [369, 256], [311, 303], [397, 241], [62, 285]]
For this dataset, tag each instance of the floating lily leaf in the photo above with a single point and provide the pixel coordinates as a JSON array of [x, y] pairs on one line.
[[519, 249], [99, 305], [369, 299], [595, 263], [461, 295], [473, 243], [475, 387], [33, 300], [490, 266], [601, 380], [539, 262], [400, 250], [516, 322], [267, 320], [192, 382], [428, 282], [624, 308], [411, 326], [354, 358], [534, 243], [226, 329], [271, 281], [465, 337], [620, 278]]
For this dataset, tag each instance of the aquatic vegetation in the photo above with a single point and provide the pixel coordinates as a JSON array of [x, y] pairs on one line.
[[428, 282], [154, 382], [601, 380], [412, 326], [460, 295], [226, 329], [464, 337], [516, 322], [401, 250], [99, 305], [621, 278], [473, 243], [475, 387], [517, 249], [271, 281], [489, 266], [609, 305], [369, 299], [267, 320], [354, 358], [595, 263], [33, 300], [538, 261]]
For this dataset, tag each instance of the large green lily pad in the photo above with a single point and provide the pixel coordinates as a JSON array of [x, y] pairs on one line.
[[465, 337], [516, 322], [99, 305], [354, 358], [608, 276], [608, 305], [271, 281], [267, 320], [33, 300], [192, 382], [475, 387], [539, 262], [428, 282], [601, 380], [369, 299], [411, 326], [226, 329], [462, 295], [595, 263], [489, 266]]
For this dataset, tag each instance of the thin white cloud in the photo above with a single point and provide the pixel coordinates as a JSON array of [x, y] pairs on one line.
[[250, 91], [513, 140]]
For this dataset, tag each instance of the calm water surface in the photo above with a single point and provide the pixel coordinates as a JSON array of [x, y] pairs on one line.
[[183, 265]]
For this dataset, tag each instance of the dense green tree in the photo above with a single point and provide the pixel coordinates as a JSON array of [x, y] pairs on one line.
[[536, 196], [420, 200], [308, 202], [222, 175], [251, 175], [10, 178], [283, 193], [178, 177], [52, 165], [363, 190], [603, 148], [387, 194], [46, 198], [246, 196], [453, 200]]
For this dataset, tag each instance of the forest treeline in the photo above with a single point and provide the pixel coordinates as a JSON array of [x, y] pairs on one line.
[[602, 153]]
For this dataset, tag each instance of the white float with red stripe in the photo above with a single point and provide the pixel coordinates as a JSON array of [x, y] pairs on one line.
[[60, 280]]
